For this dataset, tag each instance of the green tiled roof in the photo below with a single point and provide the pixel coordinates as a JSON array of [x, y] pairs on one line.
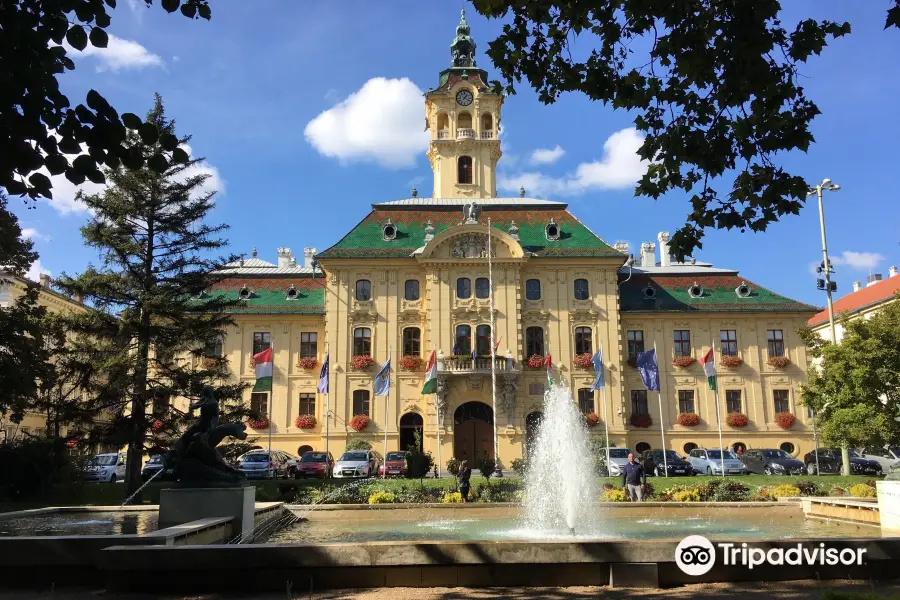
[[366, 239], [270, 295], [670, 293]]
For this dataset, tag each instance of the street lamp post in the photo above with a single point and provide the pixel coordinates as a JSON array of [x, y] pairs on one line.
[[829, 287]]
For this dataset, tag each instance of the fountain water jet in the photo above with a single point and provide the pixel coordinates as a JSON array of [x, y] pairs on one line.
[[559, 481]]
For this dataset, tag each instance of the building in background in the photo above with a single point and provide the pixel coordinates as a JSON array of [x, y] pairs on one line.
[[861, 303]]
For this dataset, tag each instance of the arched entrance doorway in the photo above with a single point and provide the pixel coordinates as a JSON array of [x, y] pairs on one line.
[[409, 424], [532, 423], [304, 449], [473, 432]]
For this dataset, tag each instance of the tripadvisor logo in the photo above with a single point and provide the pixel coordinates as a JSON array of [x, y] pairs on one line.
[[695, 555]]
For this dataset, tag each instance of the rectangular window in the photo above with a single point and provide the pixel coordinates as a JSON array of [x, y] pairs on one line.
[[363, 290], [161, 404], [213, 348], [581, 289], [412, 341], [639, 402], [309, 345], [463, 345], [733, 401], [361, 402], [682, 342], [463, 288], [411, 289], [686, 401], [536, 389], [482, 287], [362, 341], [780, 398], [262, 340], [533, 289], [586, 400], [635, 343], [259, 403], [307, 404], [483, 340], [728, 342], [583, 341], [776, 342], [534, 342]]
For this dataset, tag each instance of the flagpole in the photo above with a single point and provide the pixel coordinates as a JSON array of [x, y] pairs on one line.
[[438, 416], [271, 398], [662, 425], [603, 398], [498, 468], [387, 402], [327, 410], [718, 412]]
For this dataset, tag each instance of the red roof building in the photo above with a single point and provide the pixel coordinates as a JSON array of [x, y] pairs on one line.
[[876, 293]]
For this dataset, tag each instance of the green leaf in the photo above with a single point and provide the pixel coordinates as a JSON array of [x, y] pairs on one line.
[[171, 5], [96, 176], [76, 37], [99, 38], [56, 164], [96, 101], [158, 163], [133, 158], [40, 181], [131, 120], [893, 16], [103, 20], [111, 3], [189, 10], [149, 133], [180, 156], [204, 11], [168, 141]]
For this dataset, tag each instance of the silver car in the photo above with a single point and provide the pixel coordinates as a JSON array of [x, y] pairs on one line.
[[357, 463], [888, 458], [618, 457], [710, 462]]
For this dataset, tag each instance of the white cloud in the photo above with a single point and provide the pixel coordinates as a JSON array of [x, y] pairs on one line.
[[619, 168], [381, 123], [34, 273], [30, 233], [331, 95], [547, 156], [858, 261], [213, 183], [118, 54]]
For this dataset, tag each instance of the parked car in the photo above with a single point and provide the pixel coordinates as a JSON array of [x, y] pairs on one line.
[[617, 459], [108, 468], [710, 462], [654, 464], [395, 463], [888, 458], [772, 461], [292, 463], [315, 464], [154, 465], [830, 462], [259, 464], [357, 463]]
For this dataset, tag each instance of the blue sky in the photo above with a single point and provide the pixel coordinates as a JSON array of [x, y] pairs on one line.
[[252, 84]]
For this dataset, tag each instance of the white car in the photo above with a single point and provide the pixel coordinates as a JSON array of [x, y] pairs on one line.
[[108, 468], [357, 463], [618, 457], [888, 458], [710, 462]]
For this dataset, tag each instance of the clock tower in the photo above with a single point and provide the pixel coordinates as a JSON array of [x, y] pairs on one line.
[[463, 116]]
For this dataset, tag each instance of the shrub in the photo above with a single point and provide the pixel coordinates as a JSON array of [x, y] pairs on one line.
[[453, 466], [305, 421], [808, 488], [683, 362], [614, 495], [487, 466], [649, 492], [307, 363], [737, 420], [358, 444], [582, 361], [535, 361], [640, 420], [837, 491], [411, 363], [382, 497], [678, 490], [358, 422], [785, 490], [862, 490], [688, 419], [609, 486], [499, 491], [686, 496], [519, 466], [723, 491], [591, 419], [779, 362], [260, 423], [418, 463], [451, 498], [361, 362], [731, 361]]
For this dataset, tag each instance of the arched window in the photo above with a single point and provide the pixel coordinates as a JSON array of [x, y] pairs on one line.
[[586, 400], [583, 341], [534, 341], [483, 340], [464, 121], [487, 123], [533, 289], [361, 402], [642, 447], [443, 123], [463, 345], [581, 289], [482, 287], [464, 169], [463, 288], [787, 447], [412, 341], [362, 341], [688, 447], [363, 290], [411, 289]]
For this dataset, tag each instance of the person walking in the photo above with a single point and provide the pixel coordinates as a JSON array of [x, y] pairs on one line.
[[634, 478], [462, 478]]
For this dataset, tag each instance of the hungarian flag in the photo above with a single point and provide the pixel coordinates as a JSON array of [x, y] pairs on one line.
[[709, 367], [548, 362], [497, 345], [263, 362], [430, 386]]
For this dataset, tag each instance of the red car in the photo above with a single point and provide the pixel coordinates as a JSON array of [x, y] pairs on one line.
[[395, 463], [315, 464]]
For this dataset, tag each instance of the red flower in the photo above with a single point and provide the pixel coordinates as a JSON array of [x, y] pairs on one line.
[[591, 419], [156, 425], [307, 363], [641, 421], [683, 362], [732, 361], [260, 423], [535, 361], [688, 419], [737, 420], [305, 421], [361, 362], [784, 419], [582, 361], [779, 362], [411, 362], [71, 443], [358, 422]]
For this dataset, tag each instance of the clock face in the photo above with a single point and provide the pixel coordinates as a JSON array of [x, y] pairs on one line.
[[464, 98]]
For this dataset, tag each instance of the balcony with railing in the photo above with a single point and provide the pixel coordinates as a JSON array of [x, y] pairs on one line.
[[487, 134], [466, 365], [465, 133], [443, 134]]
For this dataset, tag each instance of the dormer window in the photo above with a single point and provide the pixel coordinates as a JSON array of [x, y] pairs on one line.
[[389, 231], [649, 292], [292, 292], [244, 293], [695, 291], [743, 290], [552, 231]]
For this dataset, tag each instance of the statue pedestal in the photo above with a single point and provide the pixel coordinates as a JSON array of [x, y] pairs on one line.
[[182, 505], [889, 505]]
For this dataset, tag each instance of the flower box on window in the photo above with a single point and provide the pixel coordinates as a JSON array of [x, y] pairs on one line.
[[71, 443], [305, 421], [582, 361], [779, 362], [732, 361], [156, 425], [535, 361], [309, 363], [737, 420], [683, 362], [260, 423], [688, 419], [641, 421], [411, 363], [361, 362], [209, 362], [358, 422], [785, 420], [591, 419]]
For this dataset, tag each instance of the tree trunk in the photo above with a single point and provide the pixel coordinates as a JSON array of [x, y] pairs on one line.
[[845, 460]]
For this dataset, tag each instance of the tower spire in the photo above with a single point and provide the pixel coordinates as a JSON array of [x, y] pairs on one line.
[[463, 47]]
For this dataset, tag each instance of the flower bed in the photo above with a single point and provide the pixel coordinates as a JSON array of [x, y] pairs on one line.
[[591, 419], [737, 420], [784, 419], [308, 363], [305, 421], [361, 362], [535, 361], [641, 421], [411, 363], [582, 361], [358, 422], [683, 362], [260, 423], [779, 362], [731, 361], [688, 419]]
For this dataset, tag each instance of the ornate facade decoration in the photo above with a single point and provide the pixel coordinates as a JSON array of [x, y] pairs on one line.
[[471, 245]]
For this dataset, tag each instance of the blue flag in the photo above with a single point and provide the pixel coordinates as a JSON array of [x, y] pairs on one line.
[[597, 360], [455, 351], [649, 370], [323, 377], [383, 380], [474, 355]]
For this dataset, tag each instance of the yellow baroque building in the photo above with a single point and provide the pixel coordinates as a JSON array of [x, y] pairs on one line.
[[413, 276]]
